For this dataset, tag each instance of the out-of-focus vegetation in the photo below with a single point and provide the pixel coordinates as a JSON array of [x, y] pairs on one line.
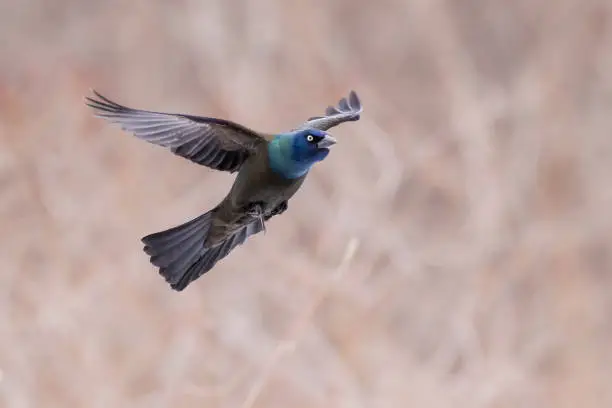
[[475, 194]]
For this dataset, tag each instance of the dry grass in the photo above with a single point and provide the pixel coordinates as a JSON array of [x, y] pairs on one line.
[[477, 186]]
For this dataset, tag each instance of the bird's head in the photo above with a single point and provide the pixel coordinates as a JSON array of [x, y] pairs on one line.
[[311, 145], [292, 154]]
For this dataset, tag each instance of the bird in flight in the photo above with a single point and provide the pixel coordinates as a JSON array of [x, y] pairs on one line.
[[271, 168]]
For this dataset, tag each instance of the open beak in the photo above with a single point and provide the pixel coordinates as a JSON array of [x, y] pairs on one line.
[[327, 141]]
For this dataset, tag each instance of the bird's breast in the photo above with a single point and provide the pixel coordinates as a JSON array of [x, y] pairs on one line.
[[256, 182]]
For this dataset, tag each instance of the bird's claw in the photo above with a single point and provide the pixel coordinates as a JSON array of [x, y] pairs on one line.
[[256, 210]]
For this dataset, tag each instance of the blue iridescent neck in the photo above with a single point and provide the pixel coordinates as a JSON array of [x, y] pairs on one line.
[[283, 160]]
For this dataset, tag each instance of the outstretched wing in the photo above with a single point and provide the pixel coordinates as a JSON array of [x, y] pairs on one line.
[[215, 143], [347, 110]]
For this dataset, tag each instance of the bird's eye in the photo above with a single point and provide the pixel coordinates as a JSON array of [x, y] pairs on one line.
[[309, 138]]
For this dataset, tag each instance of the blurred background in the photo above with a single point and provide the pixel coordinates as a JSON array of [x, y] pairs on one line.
[[454, 251]]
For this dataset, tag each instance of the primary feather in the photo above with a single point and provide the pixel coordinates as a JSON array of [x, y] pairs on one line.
[[347, 110], [215, 143]]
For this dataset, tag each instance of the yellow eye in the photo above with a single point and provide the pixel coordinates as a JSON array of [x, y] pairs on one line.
[[309, 138]]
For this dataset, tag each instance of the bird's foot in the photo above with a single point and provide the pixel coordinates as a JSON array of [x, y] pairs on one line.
[[256, 210], [281, 208]]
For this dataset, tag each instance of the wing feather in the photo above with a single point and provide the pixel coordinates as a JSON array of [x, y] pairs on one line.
[[216, 143], [348, 110]]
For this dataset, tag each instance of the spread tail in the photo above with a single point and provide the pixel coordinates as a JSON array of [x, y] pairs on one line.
[[176, 250], [180, 252]]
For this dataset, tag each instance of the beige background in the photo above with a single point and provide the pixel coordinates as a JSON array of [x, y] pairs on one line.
[[471, 206]]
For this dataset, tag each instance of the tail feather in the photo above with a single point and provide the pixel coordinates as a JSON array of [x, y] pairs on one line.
[[195, 270], [177, 252], [176, 249], [192, 253], [180, 252], [214, 254], [175, 234]]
